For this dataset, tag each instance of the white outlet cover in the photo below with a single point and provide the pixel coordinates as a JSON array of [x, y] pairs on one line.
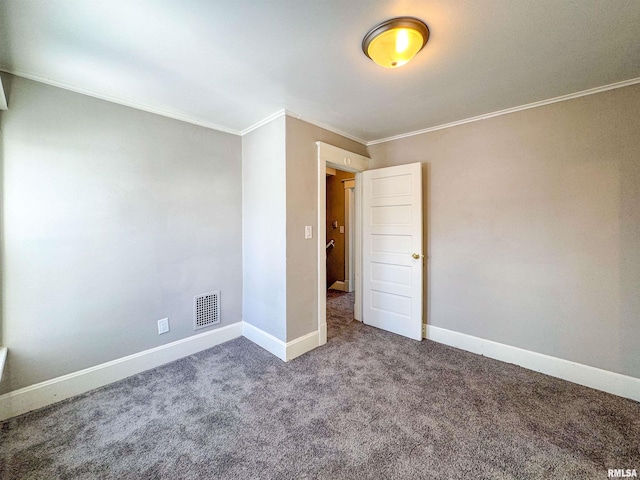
[[163, 326], [308, 232]]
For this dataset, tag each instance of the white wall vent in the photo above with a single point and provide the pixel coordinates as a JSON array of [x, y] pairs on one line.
[[206, 310]]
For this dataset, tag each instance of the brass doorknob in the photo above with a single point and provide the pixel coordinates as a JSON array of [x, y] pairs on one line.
[[416, 256]]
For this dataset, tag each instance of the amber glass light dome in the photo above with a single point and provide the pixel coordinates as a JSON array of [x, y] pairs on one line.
[[394, 42]]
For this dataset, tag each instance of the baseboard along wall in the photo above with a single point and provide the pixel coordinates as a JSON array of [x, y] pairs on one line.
[[604, 380], [51, 391], [57, 389], [283, 350]]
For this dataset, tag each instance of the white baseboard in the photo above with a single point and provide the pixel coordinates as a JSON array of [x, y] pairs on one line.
[[284, 351], [302, 345], [615, 383], [265, 340], [57, 389], [338, 285], [322, 334]]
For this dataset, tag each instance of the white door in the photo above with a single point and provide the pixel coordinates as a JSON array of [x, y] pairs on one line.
[[392, 249]]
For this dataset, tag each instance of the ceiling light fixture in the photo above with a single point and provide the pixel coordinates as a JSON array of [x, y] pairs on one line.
[[394, 42]]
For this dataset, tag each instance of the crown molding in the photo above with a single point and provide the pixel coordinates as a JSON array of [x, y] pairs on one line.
[[264, 121], [164, 113], [326, 127], [299, 116], [119, 101], [289, 113], [541, 103]]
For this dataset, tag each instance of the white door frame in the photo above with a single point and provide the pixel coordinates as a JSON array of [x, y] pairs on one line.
[[349, 235], [334, 157]]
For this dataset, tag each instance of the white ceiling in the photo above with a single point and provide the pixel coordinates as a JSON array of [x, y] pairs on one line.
[[232, 63]]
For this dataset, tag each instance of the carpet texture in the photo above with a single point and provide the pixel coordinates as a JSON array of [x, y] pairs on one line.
[[368, 405]]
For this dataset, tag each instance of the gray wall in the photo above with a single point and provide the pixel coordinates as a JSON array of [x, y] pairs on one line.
[[279, 165], [533, 227], [113, 219], [264, 228], [302, 209]]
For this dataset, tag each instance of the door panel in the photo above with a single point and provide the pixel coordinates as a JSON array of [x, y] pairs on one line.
[[392, 234]]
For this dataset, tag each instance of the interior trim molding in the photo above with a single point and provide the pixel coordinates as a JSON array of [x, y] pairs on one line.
[[541, 103], [52, 391], [302, 345], [284, 351], [279, 113], [164, 113], [264, 121], [327, 127], [298, 116], [322, 333], [604, 380], [119, 101], [265, 340], [339, 285]]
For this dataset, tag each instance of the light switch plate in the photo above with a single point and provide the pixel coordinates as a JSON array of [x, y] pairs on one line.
[[308, 232]]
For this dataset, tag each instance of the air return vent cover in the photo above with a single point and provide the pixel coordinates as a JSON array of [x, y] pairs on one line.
[[206, 310]]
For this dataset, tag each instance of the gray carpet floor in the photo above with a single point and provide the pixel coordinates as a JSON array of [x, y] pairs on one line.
[[367, 405]]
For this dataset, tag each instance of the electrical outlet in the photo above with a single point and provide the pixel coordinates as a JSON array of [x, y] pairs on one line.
[[163, 326], [424, 330]]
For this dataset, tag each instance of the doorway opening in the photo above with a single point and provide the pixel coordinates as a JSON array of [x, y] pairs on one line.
[[340, 247], [331, 157], [388, 219], [340, 232]]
